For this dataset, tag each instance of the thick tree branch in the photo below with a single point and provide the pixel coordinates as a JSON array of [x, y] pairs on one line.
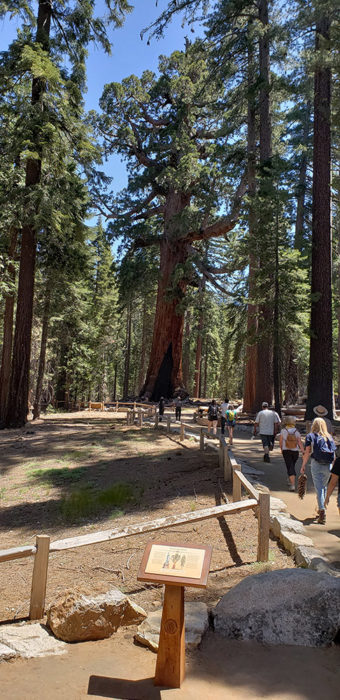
[[225, 223]]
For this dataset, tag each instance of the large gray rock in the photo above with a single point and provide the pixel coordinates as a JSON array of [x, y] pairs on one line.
[[290, 606], [196, 623], [76, 617], [28, 640]]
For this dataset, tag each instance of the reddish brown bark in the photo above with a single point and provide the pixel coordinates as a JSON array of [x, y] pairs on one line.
[[320, 380], [198, 357], [7, 341]]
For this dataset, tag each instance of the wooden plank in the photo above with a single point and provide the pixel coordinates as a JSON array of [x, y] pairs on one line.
[[170, 665], [39, 578], [17, 553], [237, 490], [227, 465], [201, 439], [263, 527], [150, 525], [248, 486]]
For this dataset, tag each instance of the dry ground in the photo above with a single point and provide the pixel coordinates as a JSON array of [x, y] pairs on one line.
[[44, 464]]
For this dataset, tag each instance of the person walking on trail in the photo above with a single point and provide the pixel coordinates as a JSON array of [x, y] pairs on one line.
[[223, 409], [290, 444], [231, 422], [321, 412], [268, 422], [334, 480], [320, 446], [212, 417], [178, 407], [161, 407]]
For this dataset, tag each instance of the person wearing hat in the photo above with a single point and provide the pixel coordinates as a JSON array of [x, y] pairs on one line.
[[290, 444], [267, 421], [321, 412]]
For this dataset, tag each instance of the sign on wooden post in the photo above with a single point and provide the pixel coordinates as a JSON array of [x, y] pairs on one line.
[[176, 566], [39, 578], [237, 488], [263, 527]]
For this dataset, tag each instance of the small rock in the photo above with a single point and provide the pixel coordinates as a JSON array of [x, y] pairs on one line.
[[281, 522], [6, 653], [292, 540], [196, 623], [76, 617]]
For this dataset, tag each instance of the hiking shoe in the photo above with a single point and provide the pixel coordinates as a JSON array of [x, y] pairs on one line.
[[291, 487], [266, 458], [322, 517]]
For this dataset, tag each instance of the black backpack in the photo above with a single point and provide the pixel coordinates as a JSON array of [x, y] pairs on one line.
[[212, 413]]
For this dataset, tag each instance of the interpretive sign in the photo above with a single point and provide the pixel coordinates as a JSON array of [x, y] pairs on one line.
[[176, 564]]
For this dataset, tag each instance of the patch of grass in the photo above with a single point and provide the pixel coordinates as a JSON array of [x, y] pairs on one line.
[[2, 493], [75, 455], [86, 502], [57, 477]]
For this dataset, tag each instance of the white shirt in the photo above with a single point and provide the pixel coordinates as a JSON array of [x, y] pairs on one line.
[[292, 431], [266, 420], [224, 408]]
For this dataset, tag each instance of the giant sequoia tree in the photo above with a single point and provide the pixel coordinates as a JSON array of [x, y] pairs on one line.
[[170, 130]]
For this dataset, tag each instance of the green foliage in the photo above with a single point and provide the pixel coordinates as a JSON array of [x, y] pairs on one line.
[[86, 503]]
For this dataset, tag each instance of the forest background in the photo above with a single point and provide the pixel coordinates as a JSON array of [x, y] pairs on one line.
[[212, 267]]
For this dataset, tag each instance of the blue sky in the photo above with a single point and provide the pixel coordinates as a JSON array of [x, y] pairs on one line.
[[129, 55]]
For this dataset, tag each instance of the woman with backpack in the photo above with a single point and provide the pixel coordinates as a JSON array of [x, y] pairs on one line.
[[321, 447], [212, 416], [290, 443], [230, 415]]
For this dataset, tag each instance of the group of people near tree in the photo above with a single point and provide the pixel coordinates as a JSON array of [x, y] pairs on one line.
[[319, 446]]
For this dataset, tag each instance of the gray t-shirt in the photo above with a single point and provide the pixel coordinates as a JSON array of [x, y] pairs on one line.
[[266, 420]]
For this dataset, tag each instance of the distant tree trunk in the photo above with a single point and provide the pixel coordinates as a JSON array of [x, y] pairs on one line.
[[186, 351], [320, 379], [7, 341], [114, 393], [264, 383], [142, 363], [198, 357], [291, 376], [42, 357], [249, 392], [164, 374], [17, 405], [205, 371], [127, 352], [302, 183], [276, 332]]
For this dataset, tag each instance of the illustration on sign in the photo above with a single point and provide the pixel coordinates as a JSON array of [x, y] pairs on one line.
[[175, 561]]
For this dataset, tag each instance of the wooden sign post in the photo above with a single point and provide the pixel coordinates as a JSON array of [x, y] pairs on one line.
[[176, 566]]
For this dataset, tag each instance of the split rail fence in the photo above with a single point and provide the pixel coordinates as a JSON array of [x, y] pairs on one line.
[[258, 501]]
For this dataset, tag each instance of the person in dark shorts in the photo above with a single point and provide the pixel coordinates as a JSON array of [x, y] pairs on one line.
[[178, 407], [212, 417], [334, 480], [290, 443]]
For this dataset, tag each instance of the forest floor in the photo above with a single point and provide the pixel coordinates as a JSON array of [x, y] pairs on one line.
[[71, 474]]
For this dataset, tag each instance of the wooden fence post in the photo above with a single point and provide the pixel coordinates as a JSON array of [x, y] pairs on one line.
[[140, 418], [220, 454], [263, 527], [226, 464], [237, 488], [156, 419], [117, 406], [39, 578], [168, 422], [133, 416], [201, 439], [182, 432]]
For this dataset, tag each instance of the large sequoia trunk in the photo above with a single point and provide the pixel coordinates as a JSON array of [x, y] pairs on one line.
[[320, 380], [17, 405], [42, 356], [164, 374]]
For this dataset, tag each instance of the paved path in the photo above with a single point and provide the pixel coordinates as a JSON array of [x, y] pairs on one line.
[[326, 537]]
